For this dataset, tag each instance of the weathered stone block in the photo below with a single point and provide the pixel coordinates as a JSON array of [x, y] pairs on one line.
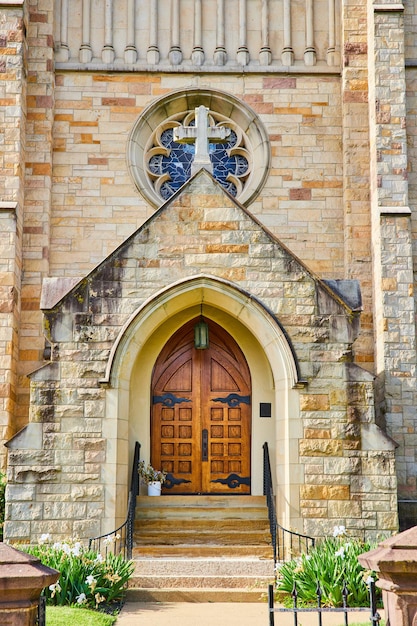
[[340, 466], [35, 474], [321, 447], [26, 510], [87, 492], [325, 492], [316, 433], [314, 402], [344, 510]]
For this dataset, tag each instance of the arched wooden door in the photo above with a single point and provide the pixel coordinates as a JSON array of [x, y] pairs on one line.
[[201, 414]]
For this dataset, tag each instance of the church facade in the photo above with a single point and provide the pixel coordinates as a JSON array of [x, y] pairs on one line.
[[208, 243]]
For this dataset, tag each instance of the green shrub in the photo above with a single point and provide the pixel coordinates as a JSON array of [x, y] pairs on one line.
[[87, 578], [2, 502], [333, 562]]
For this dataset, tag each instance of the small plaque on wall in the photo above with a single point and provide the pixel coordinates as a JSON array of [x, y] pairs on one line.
[[265, 409]]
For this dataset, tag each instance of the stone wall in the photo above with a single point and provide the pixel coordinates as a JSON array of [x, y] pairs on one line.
[[81, 202], [12, 157], [96, 205], [60, 461], [340, 194], [37, 193], [356, 205], [396, 356]]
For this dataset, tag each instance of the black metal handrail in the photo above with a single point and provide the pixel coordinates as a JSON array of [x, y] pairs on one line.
[[285, 543], [120, 540]]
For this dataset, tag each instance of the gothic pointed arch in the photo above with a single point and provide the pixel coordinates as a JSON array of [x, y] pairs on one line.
[[189, 293]]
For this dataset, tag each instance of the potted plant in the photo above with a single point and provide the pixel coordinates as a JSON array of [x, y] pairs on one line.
[[151, 477]]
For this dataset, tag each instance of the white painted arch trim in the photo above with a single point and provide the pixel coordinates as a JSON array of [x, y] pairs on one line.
[[187, 294]]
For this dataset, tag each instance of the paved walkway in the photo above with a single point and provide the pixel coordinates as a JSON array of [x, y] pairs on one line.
[[219, 613]]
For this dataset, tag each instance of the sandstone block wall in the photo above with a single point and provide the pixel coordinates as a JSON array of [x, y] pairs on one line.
[[95, 205], [192, 234], [341, 191], [396, 356], [12, 157], [81, 202], [36, 214]]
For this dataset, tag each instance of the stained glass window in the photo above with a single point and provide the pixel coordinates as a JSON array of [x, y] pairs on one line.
[[177, 163], [159, 166]]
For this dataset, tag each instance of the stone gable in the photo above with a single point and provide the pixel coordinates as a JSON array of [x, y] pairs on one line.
[[203, 231], [75, 448]]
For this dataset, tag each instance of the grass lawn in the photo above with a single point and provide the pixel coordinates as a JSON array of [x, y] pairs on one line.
[[65, 615]]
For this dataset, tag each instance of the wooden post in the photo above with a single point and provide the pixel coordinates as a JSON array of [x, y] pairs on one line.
[[22, 578], [395, 560]]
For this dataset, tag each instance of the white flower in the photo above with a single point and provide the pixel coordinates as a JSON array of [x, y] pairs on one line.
[[81, 599], [45, 538], [90, 580], [76, 551], [55, 588], [369, 580], [339, 531], [57, 545], [108, 540], [98, 559], [340, 552]]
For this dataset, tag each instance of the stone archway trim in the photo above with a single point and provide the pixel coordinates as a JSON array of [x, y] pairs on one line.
[[168, 301]]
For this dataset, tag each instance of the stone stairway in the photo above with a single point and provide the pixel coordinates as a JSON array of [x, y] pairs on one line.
[[201, 549]]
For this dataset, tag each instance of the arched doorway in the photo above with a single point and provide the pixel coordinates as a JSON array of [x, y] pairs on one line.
[[201, 414], [274, 380]]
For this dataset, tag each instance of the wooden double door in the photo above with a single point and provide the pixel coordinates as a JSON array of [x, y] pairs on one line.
[[201, 414]]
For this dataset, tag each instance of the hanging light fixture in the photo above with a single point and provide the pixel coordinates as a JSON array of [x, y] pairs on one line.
[[201, 333]]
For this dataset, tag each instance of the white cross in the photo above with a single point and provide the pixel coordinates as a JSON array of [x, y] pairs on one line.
[[201, 134]]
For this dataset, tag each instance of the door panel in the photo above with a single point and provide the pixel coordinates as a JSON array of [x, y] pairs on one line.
[[175, 443], [201, 414]]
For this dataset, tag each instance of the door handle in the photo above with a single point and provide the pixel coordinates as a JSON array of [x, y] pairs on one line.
[[204, 445]]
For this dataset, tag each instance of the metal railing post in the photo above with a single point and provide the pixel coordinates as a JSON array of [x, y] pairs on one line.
[[271, 605], [375, 616], [41, 621]]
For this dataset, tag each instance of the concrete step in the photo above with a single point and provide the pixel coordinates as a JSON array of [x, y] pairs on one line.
[[202, 551], [221, 566], [201, 537], [223, 502], [147, 513], [198, 582], [196, 595]]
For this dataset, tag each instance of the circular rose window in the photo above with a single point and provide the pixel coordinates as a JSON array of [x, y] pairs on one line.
[[161, 160]]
